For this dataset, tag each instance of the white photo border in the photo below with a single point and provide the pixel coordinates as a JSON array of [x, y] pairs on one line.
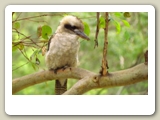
[[80, 104]]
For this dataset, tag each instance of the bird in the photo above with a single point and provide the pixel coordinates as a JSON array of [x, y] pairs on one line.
[[63, 47]]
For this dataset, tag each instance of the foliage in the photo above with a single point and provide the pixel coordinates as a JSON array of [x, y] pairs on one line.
[[127, 36]]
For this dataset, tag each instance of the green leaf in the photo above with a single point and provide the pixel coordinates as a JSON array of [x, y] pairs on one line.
[[86, 28], [118, 14], [16, 25], [118, 26], [127, 35], [126, 23], [46, 30], [126, 14], [102, 22]]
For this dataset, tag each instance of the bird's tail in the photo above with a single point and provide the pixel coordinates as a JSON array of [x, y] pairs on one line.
[[60, 86]]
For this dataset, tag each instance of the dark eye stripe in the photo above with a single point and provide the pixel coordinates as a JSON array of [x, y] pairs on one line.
[[68, 26]]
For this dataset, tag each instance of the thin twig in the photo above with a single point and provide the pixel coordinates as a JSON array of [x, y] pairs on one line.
[[19, 15], [97, 31], [25, 55], [20, 66], [27, 18], [29, 37], [38, 21]]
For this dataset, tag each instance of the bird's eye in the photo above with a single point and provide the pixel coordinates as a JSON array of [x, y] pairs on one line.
[[74, 27]]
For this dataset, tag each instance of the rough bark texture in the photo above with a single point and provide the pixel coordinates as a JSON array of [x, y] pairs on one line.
[[105, 48], [87, 80]]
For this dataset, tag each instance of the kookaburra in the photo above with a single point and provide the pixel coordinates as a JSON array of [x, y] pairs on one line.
[[63, 48]]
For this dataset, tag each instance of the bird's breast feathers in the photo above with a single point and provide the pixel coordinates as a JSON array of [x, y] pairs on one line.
[[63, 51]]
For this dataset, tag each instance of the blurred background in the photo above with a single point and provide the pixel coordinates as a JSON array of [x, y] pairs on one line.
[[127, 36]]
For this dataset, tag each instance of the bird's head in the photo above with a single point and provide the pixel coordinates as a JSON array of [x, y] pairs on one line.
[[73, 25]]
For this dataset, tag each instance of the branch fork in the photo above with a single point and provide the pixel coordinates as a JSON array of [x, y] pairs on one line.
[[87, 80]]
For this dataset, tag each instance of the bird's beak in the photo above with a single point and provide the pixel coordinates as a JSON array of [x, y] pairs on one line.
[[81, 34]]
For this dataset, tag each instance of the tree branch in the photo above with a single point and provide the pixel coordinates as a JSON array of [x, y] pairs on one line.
[[120, 78], [97, 32], [43, 15], [47, 75], [105, 48], [89, 80]]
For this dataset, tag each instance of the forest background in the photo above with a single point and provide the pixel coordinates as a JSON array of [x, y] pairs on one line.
[[127, 37]]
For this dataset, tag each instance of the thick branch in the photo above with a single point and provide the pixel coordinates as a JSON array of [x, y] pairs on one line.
[[89, 80], [43, 76], [120, 78]]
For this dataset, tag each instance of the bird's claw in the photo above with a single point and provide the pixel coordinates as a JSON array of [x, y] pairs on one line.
[[59, 68]]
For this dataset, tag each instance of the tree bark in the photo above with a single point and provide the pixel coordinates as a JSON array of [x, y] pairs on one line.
[[87, 79]]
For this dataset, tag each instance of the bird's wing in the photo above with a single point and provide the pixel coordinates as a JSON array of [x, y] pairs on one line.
[[49, 41]]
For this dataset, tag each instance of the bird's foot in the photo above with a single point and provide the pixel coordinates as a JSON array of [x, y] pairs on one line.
[[54, 70], [64, 67], [59, 68]]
